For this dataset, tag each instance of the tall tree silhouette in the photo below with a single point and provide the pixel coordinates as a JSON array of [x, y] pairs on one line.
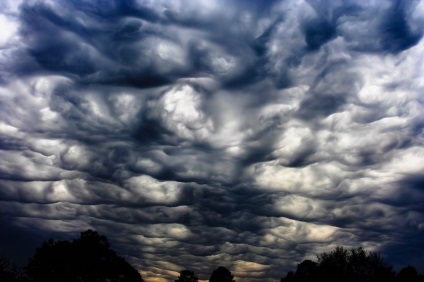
[[221, 274], [187, 276], [88, 258]]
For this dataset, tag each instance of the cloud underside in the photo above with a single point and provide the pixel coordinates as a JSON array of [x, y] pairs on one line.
[[196, 134]]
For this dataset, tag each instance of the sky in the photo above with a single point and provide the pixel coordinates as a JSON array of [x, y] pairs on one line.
[[193, 134]]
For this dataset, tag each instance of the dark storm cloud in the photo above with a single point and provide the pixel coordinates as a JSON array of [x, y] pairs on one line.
[[392, 30], [252, 135], [91, 44]]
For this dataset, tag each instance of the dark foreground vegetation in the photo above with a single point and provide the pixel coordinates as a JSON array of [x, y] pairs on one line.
[[342, 265], [90, 259]]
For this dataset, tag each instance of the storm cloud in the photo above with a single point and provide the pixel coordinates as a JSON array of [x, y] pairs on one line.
[[193, 134]]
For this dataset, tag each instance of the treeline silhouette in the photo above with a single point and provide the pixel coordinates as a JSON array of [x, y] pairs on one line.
[[355, 265], [90, 259]]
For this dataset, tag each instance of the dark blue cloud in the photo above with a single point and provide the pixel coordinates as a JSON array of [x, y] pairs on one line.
[[397, 34]]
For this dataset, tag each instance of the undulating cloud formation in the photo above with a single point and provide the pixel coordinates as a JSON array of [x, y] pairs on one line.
[[248, 134]]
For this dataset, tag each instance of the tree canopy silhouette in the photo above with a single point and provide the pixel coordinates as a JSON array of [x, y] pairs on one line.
[[221, 274], [187, 276], [409, 274], [88, 258], [343, 265], [9, 272]]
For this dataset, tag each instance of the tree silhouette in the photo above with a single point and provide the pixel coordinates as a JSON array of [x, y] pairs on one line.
[[187, 276], [6, 272], [88, 258], [221, 274], [343, 265], [409, 274], [289, 277], [333, 265], [354, 265], [306, 271], [10, 273]]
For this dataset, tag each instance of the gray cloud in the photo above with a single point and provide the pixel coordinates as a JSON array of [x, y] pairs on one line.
[[196, 133]]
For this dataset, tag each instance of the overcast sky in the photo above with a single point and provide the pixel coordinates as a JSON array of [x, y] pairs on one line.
[[193, 134]]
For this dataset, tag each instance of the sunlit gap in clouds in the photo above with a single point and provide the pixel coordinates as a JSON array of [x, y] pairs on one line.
[[194, 134]]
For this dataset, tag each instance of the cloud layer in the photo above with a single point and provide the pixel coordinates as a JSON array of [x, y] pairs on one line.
[[250, 134]]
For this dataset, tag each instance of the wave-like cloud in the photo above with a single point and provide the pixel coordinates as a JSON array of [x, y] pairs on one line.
[[203, 133]]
